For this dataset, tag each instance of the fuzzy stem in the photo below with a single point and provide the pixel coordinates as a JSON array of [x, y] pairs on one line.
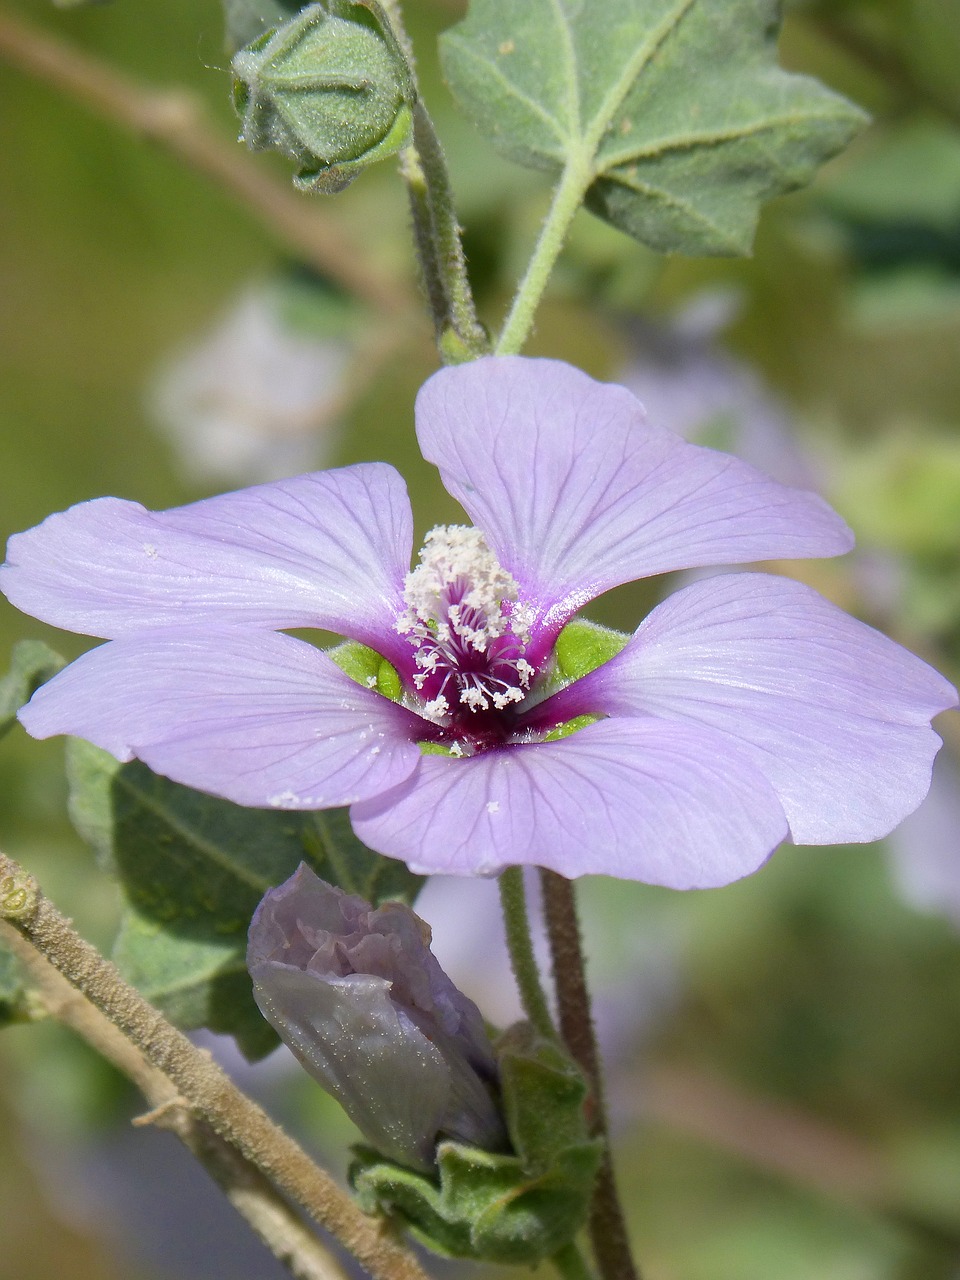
[[199, 1082], [567, 199], [516, 922], [250, 1193], [608, 1231], [424, 234], [436, 228], [446, 245]]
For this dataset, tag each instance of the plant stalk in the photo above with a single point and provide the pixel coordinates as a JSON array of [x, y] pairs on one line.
[[516, 922], [608, 1230], [567, 199], [436, 228]]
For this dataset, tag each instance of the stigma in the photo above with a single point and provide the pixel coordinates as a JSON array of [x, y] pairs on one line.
[[468, 627]]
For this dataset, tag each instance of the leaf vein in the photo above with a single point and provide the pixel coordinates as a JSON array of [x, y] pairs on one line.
[[631, 73], [201, 844], [665, 197], [685, 142], [575, 122]]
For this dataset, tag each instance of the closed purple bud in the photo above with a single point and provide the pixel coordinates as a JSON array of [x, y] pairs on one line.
[[361, 1000]]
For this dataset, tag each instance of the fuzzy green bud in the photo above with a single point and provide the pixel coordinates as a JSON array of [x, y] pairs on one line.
[[330, 88]]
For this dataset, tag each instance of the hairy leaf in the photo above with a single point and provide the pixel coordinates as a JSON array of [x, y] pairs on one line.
[[32, 664], [674, 110], [193, 869]]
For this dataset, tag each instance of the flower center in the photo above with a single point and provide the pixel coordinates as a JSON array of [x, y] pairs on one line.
[[468, 628]]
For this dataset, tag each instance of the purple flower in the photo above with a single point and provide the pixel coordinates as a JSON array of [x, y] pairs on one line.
[[745, 708], [359, 997]]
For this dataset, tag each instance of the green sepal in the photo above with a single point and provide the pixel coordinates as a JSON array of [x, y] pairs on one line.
[[569, 727], [366, 666], [583, 646], [32, 664], [510, 1209], [453, 348], [330, 88]]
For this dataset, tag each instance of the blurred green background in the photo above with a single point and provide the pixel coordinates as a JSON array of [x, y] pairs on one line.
[[785, 1053]]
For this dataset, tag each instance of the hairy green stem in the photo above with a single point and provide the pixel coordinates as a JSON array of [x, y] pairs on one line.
[[421, 216], [608, 1230], [445, 244], [436, 228], [203, 1088], [567, 199], [516, 922]]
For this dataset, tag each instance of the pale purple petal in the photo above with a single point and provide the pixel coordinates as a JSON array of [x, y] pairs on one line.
[[257, 717], [325, 550], [833, 713], [577, 491], [361, 1000], [639, 799]]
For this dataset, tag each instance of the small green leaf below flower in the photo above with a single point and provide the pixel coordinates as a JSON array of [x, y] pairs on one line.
[[674, 112], [511, 1209], [192, 869]]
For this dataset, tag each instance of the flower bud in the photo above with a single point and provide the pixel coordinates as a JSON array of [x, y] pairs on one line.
[[361, 1000], [330, 88]]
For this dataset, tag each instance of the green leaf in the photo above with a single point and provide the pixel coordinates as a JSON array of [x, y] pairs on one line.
[[32, 664], [674, 111], [193, 869], [341, 859], [195, 982]]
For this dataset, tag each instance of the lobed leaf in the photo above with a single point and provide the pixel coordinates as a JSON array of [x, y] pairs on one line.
[[675, 109], [193, 869]]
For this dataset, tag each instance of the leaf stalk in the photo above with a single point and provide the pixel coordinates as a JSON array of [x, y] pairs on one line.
[[516, 921], [567, 198]]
